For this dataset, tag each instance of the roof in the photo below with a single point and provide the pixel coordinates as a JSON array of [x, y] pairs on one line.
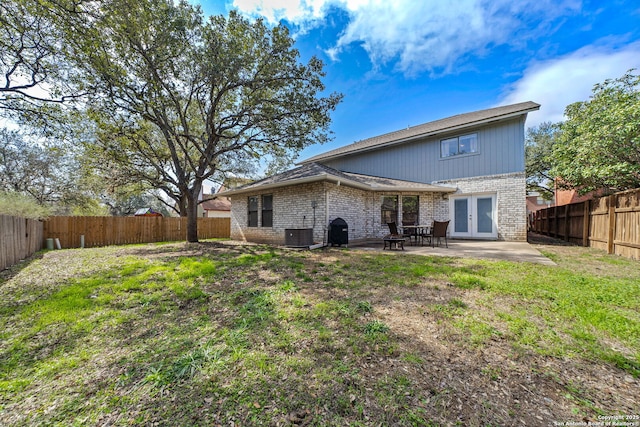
[[315, 172], [146, 212], [216, 204], [449, 124]]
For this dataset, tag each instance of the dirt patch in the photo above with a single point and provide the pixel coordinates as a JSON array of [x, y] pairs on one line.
[[494, 382]]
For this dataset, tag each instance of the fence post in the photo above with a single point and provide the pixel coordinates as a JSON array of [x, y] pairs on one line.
[[612, 223], [586, 223], [566, 222]]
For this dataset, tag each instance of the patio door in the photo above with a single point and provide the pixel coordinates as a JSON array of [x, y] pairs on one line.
[[474, 216]]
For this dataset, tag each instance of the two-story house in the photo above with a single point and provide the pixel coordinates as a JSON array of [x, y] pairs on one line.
[[468, 169]]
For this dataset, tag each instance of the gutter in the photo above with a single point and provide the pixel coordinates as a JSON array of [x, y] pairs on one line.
[[305, 180], [338, 181]]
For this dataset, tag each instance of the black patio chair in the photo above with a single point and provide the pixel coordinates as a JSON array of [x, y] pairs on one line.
[[438, 231]]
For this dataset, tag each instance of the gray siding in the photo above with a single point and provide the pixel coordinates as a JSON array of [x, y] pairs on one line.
[[500, 150]]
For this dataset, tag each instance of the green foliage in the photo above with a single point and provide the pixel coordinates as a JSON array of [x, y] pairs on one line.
[[16, 204], [375, 327], [599, 144], [91, 207], [539, 144], [45, 173], [169, 98], [179, 99]]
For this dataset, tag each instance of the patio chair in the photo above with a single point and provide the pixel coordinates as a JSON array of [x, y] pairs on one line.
[[438, 231]]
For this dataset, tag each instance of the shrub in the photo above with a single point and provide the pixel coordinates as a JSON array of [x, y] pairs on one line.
[[16, 204]]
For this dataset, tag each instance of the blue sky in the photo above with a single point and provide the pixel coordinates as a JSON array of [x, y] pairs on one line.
[[401, 63]]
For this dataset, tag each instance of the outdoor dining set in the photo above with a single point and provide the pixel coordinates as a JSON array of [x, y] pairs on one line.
[[414, 233]]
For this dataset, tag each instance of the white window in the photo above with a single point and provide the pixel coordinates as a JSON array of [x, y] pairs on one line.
[[464, 144]]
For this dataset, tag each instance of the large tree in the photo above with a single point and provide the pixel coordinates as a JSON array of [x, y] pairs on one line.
[[46, 173], [599, 143], [33, 69], [539, 145], [178, 99]]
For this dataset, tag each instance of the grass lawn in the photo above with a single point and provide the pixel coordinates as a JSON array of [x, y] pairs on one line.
[[221, 334]]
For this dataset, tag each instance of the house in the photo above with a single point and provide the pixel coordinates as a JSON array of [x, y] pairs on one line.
[[216, 206], [468, 168], [535, 202], [565, 196]]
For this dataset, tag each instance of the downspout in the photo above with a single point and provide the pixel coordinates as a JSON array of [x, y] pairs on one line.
[[325, 227]]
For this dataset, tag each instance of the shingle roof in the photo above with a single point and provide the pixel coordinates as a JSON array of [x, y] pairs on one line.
[[216, 204], [452, 123], [313, 172]]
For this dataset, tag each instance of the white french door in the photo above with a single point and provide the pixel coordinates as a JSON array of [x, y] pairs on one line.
[[474, 216]]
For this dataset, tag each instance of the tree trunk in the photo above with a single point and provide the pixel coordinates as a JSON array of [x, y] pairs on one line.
[[182, 205], [192, 213]]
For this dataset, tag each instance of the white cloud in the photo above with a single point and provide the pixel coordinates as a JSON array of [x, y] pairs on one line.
[[422, 35], [296, 11], [558, 82]]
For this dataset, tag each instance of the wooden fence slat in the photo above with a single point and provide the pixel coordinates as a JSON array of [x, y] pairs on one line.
[[19, 239], [104, 231], [585, 223], [610, 223]]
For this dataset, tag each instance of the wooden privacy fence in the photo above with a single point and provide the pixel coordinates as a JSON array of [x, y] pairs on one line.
[[111, 230], [610, 223], [19, 238]]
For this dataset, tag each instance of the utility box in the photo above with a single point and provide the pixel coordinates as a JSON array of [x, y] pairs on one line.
[[298, 237]]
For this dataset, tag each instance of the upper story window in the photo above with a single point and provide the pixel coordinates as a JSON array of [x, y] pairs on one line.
[[267, 210], [464, 144]]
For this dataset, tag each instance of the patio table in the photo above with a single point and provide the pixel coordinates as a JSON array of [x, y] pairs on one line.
[[417, 231]]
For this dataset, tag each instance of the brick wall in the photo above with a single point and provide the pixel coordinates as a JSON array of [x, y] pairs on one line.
[[511, 207], [292, 208], [352, 205], [361, 210]]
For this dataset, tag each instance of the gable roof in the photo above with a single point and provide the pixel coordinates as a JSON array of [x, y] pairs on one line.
[[315, 172], [453, 123]]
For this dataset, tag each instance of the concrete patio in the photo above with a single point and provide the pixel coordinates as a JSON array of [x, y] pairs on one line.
[[499, 250]]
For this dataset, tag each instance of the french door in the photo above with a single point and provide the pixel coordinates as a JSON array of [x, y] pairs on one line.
[[474, 216]]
